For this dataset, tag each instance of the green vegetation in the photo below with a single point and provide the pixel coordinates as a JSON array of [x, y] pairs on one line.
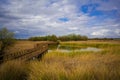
[[6, 40], [70, 37], [44, 38]]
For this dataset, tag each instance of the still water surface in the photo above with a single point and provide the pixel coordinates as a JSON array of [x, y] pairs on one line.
[[68, 49]]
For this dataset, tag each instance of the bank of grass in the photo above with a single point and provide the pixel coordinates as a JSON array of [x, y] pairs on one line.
[[91, 44], [14, 70], [59, 66], [104, 65], [111, 47], [22, 45]]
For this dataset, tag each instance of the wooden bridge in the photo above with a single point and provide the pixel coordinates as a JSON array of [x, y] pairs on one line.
[[28, 54]]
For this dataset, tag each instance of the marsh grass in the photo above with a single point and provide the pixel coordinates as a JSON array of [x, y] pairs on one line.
[[55, 65], [14, 70], [111, 47], [103, 65], [91, 66]]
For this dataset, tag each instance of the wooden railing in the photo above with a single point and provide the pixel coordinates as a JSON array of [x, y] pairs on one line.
[[27, 54]]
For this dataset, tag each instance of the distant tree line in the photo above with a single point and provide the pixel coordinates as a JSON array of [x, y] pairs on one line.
[[70, 37], [104, 38]]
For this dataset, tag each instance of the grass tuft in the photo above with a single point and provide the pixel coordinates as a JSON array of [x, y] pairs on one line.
[[13, 70]]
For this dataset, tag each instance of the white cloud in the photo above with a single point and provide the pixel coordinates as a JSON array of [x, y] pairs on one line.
[[73, 28], [42, 16], [16, 32], [102, 32], [117, 31]]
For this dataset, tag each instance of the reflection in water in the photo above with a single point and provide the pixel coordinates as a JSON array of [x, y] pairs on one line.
[[58, 47], [68, 49], [91, 49]]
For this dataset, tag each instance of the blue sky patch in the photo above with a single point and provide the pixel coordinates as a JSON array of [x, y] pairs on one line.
[[4, 2], [64, 19], [84, 8], [105, 0], [96, 13], [89, 8]]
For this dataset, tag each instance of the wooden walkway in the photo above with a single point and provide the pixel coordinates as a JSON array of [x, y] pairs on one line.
[[29, 54]]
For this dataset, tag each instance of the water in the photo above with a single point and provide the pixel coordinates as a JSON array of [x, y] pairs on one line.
[[89, 49], [58, 47], [68, 49]]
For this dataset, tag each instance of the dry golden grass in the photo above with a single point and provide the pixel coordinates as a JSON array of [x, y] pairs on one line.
[[22, 45], [104, 65], [14, 70], [60, 66], [97, 41]]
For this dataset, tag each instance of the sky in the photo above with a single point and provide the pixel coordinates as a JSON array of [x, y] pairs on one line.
[[93, 18]]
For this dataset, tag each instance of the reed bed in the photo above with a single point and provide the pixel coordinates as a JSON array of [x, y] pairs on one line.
[[55, 65]]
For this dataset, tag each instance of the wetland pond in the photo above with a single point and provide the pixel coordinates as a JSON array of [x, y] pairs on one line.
[[67, 49]]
